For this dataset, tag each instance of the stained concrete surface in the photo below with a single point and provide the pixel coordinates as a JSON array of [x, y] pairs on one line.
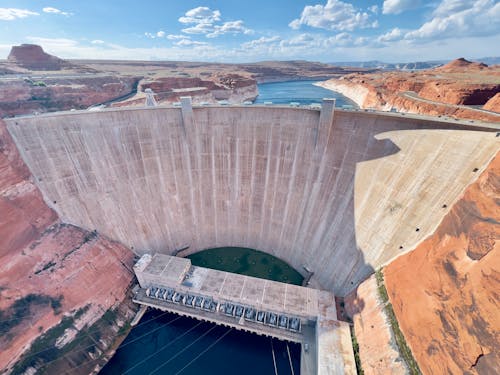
[[342, 196]]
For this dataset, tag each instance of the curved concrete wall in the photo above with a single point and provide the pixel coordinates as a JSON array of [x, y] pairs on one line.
[[342, 197]]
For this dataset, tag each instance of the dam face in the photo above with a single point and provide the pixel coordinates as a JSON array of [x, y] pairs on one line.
[[341, 192]]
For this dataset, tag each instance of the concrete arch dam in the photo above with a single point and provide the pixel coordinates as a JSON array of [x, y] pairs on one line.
[[340, 192]]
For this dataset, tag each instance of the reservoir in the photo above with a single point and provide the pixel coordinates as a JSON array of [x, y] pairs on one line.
[[165, 343], [302, 92]]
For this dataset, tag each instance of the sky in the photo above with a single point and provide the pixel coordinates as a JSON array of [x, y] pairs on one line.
[[255, 30]]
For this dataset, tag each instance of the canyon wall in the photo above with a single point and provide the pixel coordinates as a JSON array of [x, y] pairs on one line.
[[445, 293], [341, 195], [18, 97], [52, 275], [367, 95]]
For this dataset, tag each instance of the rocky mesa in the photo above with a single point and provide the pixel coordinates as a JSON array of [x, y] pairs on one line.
[[33, 57]]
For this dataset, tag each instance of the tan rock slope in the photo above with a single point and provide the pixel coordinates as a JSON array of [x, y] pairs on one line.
[[49, 271], [493, 104], [378, 351], [445, 293]]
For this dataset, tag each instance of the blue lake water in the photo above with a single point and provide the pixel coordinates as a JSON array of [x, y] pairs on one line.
[[303, 92]]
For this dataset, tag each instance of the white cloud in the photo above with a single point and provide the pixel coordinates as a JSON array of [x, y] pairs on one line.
[[203, 20], [97, 41], [190, 43], [158, 34], [54, 43], [373, 9], [176, 37], [390, 36], [399, 6], [55, 11], [200, 28], [262, 41], [200, 15], [319, 47], [454, 19], [335, 15], [448, 7], [10, 14], [230, 27]]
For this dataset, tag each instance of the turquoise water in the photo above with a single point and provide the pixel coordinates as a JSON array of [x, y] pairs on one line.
[[247, 262], [303, 92]]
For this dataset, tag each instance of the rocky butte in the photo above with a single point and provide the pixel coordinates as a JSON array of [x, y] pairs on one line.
[[32, 56], [396, 214]]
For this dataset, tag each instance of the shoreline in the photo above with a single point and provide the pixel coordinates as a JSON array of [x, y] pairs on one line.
[[356, 94]]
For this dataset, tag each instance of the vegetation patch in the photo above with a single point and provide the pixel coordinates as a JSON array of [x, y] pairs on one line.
[[48, 359], [35, 83], [46, 267], [355, 348], [88, 237], [21, 309], [403, 347]]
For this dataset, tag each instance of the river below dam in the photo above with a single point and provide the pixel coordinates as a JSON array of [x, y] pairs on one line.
[[302, 92], [165, 343]]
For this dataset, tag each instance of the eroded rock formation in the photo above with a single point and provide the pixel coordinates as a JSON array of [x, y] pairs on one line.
[[33, 57], [51, 94], [230, 87], [448, 90], [445, 292], [493, 104]]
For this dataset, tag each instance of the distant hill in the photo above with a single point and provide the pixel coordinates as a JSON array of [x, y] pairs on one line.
[[419, 65], [462, 64], [375, 64], [488, 60]]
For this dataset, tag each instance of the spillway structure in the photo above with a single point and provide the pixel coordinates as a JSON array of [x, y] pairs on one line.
[[337, 192]]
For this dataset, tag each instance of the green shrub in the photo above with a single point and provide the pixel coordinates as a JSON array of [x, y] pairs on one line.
[[403, 347]]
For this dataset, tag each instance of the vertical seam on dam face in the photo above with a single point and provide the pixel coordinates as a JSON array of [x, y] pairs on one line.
[[338, 192]]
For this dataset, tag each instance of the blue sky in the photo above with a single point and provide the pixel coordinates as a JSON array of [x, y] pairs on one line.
[[256, 30]]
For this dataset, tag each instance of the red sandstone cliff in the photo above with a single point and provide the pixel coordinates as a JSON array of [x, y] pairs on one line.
[[445, 292], [55, 94], [447, 90], [231, 87], [50, 272]]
